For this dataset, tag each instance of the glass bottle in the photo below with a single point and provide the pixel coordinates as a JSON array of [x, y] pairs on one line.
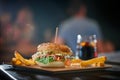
[[77, 54]]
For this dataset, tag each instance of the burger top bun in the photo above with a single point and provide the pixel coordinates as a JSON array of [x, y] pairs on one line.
[[56, 48]]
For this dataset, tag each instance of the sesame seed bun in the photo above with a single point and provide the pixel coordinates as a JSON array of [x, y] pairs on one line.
[[56, 48]]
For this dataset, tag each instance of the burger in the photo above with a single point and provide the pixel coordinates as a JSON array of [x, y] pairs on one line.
[[51, 55]]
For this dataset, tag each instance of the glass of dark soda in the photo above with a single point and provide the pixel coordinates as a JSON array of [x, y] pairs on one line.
[[87, 47]]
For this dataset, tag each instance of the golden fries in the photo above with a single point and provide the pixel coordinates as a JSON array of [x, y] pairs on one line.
[[19, 60], [95, 61]]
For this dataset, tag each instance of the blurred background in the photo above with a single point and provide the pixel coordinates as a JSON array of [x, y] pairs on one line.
[[26, 23]]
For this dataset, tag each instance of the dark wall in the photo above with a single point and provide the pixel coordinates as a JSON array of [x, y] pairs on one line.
[[108, 15]]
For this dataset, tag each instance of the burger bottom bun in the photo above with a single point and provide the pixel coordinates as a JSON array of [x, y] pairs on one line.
[[52, 64]]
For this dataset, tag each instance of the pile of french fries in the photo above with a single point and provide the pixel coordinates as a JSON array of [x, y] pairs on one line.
[[95, 62], [19, 60]]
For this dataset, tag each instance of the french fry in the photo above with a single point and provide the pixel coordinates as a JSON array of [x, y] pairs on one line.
[[99, 64], [19, 60], [14, 59], [30, 62], [18, 56], [76, 60], [101, 59], [94, 65]]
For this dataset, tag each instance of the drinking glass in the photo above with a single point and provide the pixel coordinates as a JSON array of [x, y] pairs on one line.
[[86, 47]]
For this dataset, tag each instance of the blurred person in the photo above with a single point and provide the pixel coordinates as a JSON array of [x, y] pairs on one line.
[[6, 36], [79, 23], [24, 32], [6, 28]]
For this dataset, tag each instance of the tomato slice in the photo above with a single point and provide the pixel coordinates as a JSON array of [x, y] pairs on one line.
[[58, 58], [68, 62]]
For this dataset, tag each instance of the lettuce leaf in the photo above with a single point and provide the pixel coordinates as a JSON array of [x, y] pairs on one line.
[[45, 60]]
